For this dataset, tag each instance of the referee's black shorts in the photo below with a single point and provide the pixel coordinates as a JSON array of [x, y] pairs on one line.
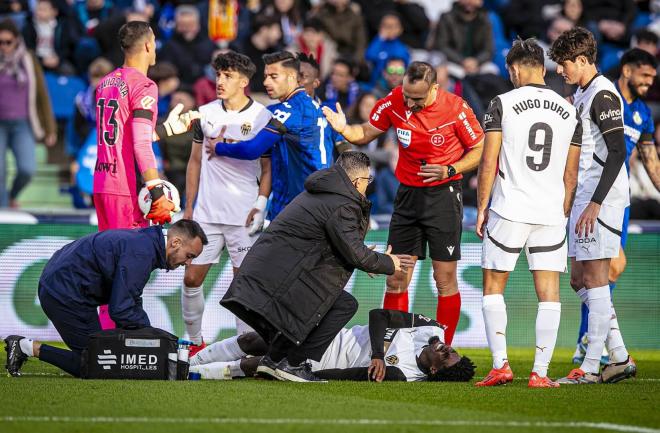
[[428, 215]]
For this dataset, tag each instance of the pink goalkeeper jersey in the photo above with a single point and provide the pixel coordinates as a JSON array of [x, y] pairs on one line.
[[122, 97]]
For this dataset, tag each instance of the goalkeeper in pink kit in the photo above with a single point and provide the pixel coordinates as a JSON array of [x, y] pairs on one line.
[[126, 113]]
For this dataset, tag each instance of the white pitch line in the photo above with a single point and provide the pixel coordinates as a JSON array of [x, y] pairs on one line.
[[364, 421], [643, 379]]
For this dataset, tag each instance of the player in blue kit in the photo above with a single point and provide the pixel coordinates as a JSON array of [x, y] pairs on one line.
[[296, 135], [638, 70]]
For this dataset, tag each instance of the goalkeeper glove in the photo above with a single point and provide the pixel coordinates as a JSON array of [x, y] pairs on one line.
[[177, 123], [161, 207], [258, 214]]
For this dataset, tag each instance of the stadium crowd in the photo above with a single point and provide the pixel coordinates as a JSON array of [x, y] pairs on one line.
[[62, 48]]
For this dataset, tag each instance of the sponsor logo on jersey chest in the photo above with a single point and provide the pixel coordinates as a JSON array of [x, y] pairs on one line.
[[404, 136]]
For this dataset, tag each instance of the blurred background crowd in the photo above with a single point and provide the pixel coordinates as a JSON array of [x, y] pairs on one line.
[[53, 53]]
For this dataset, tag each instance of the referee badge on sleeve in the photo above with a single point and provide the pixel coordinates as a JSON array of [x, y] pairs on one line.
[[246, 128], [404, 136]]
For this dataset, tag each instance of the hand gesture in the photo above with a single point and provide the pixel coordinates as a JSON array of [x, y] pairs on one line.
[[178, 123], [587, 221], [482, 220], [376, 370], [211, 142], [336, 120], [433, 172]]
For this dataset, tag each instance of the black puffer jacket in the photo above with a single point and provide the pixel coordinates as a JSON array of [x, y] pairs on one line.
[[296, 270]]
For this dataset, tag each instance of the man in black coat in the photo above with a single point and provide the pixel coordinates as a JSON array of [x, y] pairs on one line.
[[290, 285]]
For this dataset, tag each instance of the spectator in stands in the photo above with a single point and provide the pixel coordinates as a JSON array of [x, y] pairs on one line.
[[90, 13], [460, 88], [464, 35], [313, 41], [556, 82], [341, 85], [188, 49], [266, 39], [25, 111], [385, 45], [646, 40], [612, 19], [106, 32], [290, 17], [52, 37], [524, 18], [383, 153], [573, 10], [392, 76], [176, 148], [204, 88], [166, 77], [344, 24]]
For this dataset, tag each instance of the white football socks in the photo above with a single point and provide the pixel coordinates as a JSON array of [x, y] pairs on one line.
[[26, 346], [600, 313], [494, 311], [614, 343], [192, 304], [547, 325], [221, 351], [219, 370]]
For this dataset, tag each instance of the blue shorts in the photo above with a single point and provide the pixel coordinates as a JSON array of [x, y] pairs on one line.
[[624, 227]]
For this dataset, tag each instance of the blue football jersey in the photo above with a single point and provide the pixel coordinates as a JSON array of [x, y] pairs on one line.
[[304, 148], [637, 124]]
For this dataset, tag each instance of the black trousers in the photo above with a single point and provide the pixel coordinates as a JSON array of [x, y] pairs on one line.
[[74, 324], [316, 343]]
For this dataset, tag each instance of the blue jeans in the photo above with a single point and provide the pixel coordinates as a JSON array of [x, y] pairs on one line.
[[17, 136]]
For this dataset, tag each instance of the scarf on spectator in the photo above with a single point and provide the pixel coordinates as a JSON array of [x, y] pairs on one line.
[[13, 63]]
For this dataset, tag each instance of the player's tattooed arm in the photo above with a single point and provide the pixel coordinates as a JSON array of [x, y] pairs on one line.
[[649, 155]]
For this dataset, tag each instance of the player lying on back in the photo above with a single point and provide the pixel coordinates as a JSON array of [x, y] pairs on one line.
[[532, 150], [394, 346]]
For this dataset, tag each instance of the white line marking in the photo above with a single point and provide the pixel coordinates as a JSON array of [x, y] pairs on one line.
[[304, 421], [644, 379]]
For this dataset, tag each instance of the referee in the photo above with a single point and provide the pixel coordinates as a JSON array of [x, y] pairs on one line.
[[439, 139]]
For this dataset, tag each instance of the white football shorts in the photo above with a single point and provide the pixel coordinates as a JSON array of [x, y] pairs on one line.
[[545, 246], [236, 238], [604, 242]]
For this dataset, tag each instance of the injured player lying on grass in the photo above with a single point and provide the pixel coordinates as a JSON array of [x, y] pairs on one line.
[[394, 346]]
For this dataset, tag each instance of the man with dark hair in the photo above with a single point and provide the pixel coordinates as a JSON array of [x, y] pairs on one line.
[[439, 139], [296, 134], [393, 346], [233, 221], [127, 107], [638, 71], [602, 195], [290, 287], [110, 267], [517, 170], [341, 86]]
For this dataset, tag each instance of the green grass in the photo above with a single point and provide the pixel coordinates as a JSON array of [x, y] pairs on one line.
[[262, 406]]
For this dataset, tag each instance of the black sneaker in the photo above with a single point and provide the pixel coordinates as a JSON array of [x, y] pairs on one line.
[[266, 368], [15, 356], [300, 373]]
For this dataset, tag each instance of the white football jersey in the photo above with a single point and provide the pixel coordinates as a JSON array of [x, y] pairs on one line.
[[352, 348], [601, 110], [228, 187], [538, 126]]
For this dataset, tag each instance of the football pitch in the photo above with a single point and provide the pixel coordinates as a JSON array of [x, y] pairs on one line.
[[46, 401]]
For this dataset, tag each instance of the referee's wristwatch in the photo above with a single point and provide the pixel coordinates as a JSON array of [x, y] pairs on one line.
[[451, 171]]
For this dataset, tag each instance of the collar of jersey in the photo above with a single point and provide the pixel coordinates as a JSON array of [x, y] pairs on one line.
[[248, 105], [584, 89], [294, 93]]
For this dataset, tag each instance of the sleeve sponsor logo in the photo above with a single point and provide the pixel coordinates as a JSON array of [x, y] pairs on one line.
[[610, 114], [463, 117], [379, 110], [147, 102], [488, 118]]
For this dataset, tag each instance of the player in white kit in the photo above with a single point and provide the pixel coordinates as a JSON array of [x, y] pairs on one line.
[[602, 195], [226, 196], [530, 165], [396, 345]]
